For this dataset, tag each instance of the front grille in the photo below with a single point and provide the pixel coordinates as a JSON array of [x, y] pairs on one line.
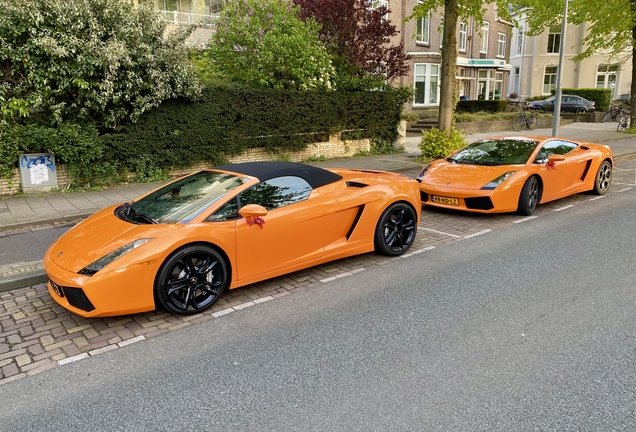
[[479, 203], [423, 196], [78, 299]]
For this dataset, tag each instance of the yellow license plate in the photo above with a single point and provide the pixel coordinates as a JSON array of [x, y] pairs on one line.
[[445, 200]]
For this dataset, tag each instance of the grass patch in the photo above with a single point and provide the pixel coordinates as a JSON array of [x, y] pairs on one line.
[[320, 158]]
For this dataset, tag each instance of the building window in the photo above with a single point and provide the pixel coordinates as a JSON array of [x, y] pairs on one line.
[[485, 30], [167, 5], [550, 79], [516, 79], [462, 36], [501, 45], [519, 41], [382, 3], [606, 75], [423, 25], [554, 40], [426, 83], [489, 84]]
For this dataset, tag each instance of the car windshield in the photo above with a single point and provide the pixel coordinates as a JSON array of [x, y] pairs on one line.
[[182, 199], [495, 152]]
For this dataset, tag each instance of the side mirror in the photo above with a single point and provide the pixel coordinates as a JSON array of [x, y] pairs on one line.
[[556, 158], [252, 211]]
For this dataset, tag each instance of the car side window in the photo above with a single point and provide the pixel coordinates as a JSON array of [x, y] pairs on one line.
[[228, 212], [277, 192], [271, 194], [554, 147]]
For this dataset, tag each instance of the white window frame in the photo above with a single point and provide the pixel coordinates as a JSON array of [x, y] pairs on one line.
[[515, 80], [423, 29], [378, 4], [519, 41], [485, 33], [463, 32], [431, 98], [554, 40], [606, 71], [493, 83], [554, 70], [501, 45]]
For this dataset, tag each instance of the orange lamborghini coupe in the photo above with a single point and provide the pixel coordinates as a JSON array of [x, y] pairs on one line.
[[508, 174], [182, 245]]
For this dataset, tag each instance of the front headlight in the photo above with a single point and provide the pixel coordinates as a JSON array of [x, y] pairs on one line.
[[421, 175], [96, 266], [499, 180]]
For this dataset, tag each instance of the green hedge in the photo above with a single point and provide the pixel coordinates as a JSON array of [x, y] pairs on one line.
[[601, 97], [472, 106], [228, 120]]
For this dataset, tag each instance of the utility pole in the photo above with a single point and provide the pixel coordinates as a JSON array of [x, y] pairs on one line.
[[557, 95]]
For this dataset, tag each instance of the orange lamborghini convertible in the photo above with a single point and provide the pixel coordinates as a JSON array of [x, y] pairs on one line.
[[507, 174], [183, 244]]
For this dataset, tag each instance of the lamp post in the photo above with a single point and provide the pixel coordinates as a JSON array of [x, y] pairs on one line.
[[557, 95]]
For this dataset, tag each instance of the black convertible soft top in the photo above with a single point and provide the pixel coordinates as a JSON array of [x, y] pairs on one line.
[[264, 171]]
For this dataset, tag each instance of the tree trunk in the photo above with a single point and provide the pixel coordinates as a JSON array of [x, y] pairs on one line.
[[449, 67]]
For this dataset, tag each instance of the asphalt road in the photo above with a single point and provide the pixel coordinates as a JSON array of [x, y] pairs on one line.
[[529, 327]]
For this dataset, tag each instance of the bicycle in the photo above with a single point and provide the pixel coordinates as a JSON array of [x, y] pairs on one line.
[[525, 120], [623, 122], [615, 113]]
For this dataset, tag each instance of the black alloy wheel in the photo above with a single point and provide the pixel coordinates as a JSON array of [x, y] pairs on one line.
[[396, 230], [580, 110], [603, 178], [191, 280], [529, 197]]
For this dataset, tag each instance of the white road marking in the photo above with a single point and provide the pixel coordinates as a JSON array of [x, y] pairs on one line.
[[440, 232], [564, 208], [525, 219], [623, 190], [103, 350], [131, 341], [478, 233], [598, 197], [72, 359]]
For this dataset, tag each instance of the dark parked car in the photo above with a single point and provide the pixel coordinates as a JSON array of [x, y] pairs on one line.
[[569, 103]]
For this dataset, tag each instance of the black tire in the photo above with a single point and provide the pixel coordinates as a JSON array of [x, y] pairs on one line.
[[532, 121], [606, 117], [396, 230], [529, 197], [622, 123], [603, 179], [580, 110], [519, 123], [191, 280]]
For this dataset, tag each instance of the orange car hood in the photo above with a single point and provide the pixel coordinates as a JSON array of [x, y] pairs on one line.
[[463, 176], [97, 236]]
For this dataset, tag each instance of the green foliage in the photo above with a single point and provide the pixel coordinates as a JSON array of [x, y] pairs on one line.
[[227, 120], [264, 43], [492, 106], [536, 98], [608, 24], [77, 146], [601, 96], [88, 60], [484, 116], [438, 144]]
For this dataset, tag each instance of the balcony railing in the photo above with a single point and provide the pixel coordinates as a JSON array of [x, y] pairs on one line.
[[188, 18]]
